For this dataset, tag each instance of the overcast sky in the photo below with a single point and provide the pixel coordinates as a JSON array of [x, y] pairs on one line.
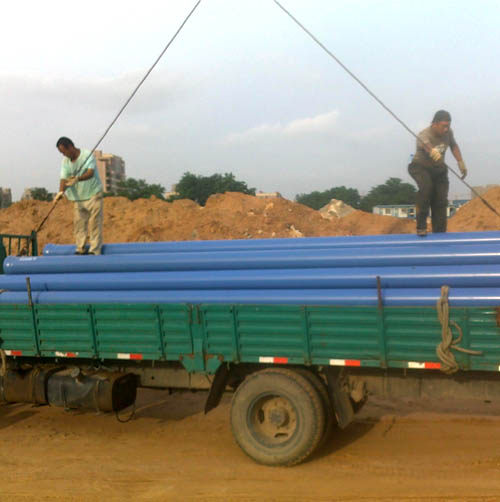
[[242, 89]]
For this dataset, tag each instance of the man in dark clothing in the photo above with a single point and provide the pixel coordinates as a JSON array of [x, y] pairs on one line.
[[428, 170]]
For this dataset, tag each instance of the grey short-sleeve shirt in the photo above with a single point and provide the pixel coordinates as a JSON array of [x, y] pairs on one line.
[[440, 142]]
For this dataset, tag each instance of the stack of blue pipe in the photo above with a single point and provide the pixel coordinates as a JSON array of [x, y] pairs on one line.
[[399, 270]]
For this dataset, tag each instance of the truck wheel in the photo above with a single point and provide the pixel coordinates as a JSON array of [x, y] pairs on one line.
[[322, 390], [277, 417]]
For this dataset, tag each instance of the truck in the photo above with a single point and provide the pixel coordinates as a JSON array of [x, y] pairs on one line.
[[297, 373]]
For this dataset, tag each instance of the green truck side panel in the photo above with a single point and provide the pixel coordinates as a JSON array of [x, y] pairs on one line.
[[484, 335], [203, 336], [65, 328], [344, 333], [176, 325], [127, 329], [17, 330], [270, 330]]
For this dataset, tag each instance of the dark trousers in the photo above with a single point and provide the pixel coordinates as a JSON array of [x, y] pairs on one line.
[[432, 193]]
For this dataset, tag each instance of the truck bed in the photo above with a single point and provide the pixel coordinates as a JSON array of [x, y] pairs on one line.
[[201, 337]]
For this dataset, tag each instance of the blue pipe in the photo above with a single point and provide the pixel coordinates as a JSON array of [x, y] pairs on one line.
[[282, 243], [458, 297], [470, 254], [313, 278]]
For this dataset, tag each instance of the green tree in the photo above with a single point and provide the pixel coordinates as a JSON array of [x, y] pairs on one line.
[[317, 200], [393, 191], [39, 193], [138, 189], [200, 188]]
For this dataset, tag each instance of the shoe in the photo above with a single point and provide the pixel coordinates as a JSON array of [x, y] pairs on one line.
[[421, 232], [80, 252]]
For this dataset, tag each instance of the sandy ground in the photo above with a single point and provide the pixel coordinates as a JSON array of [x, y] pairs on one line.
[[395, 451]]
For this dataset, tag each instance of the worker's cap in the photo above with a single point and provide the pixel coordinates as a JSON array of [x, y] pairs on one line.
[[441, 116]]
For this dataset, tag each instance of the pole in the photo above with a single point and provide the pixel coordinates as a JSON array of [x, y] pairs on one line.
[[54, 204]]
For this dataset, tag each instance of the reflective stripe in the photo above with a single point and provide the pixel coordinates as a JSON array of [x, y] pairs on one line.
[[136, 357], [345, 362], [273, 360], [424, 366], [66, 354]]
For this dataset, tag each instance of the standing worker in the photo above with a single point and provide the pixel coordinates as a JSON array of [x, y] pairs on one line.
[[431, 174], [80, 180]]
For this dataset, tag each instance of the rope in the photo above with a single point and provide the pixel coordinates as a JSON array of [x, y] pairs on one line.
[[449, 364], [380, 102]]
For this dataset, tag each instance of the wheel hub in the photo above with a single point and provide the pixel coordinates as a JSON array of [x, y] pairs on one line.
[[278, 416], [274, 419]]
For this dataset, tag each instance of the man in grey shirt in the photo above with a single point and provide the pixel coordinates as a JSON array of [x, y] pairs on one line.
[[428, 170]]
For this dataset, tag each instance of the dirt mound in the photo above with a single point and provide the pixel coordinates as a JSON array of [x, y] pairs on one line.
[[225, 216], [476, 216], [335, 208], [361, 223]]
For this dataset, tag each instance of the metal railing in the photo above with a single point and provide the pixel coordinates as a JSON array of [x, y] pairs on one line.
[[19, 245]]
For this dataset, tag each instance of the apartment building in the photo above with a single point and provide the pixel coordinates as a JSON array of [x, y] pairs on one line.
[[5, 197], [111, 170]]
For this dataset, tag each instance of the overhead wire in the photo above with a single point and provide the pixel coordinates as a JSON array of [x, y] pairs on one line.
[[376, 98]]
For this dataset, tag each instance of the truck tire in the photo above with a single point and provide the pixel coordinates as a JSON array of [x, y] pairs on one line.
[[322, 390], [277, 417]]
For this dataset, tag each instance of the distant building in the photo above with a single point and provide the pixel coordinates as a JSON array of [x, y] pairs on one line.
[[271, 195], [408, 210], [5, 197], [111, 170], [172, 192], [455, 204], [397, 210], [27, 194]]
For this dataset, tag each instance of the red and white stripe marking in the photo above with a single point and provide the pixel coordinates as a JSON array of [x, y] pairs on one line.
[[136, 357], [424, 366], [345, 362], [66, 354], [273, 360], [13, 352]]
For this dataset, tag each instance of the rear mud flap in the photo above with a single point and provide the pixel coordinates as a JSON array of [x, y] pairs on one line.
[[218, 387], [339, 397]]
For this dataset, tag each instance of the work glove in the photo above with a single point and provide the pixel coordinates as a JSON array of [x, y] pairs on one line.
[[435, 154], [58, 197], [463, 169], [71, 181]]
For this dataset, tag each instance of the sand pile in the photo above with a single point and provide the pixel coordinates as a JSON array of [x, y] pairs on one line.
[[361, 223], [225, 216], [476, 216]]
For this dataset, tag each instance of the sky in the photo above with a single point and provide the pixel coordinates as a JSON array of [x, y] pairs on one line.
[[242, 89]]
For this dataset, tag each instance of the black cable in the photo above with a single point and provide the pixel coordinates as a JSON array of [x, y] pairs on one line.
[[379, 101]]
